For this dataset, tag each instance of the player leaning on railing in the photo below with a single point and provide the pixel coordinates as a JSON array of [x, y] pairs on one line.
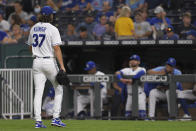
[[44, 41]]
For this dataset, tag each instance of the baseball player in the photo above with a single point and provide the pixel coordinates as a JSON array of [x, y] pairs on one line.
[[48, 103], [44, 40], [83, 100], [137, 72], [159, 91], [188, 94]]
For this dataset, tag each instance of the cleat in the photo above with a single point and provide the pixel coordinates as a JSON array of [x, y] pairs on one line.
[[57, 122], [39, 124]]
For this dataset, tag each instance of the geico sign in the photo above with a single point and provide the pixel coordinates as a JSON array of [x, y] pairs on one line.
[[152, 78], [96, 78]]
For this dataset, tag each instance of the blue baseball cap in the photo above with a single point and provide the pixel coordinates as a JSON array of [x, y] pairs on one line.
[[51, 92], [171, 61], [135, 57], [90, 65], [33, 18], [47, 10]]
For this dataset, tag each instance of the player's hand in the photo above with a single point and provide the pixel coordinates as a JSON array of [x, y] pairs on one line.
[[163, 72], [63, 68], [126, 81], [120, 90]]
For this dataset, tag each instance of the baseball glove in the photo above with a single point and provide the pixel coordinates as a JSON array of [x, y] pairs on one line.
[[62, 78]]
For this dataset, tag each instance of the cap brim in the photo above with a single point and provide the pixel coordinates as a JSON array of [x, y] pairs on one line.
[[167, 63], [87, 69]]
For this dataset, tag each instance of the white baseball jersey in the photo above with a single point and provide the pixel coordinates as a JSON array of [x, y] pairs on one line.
[[141, 96], [130, 71], [43, 36], [83, 100]]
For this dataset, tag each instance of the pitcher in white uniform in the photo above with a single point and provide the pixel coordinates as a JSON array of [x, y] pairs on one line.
[[136, 72], [44, 40]]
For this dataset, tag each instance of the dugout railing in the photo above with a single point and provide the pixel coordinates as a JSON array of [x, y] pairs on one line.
[[96, 103]]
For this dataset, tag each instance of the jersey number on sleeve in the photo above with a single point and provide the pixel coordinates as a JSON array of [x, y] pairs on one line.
[[36, 39]]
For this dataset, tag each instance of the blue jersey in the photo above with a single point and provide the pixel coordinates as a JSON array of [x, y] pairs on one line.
[[134, 4], [2, 35], [149, 86], [124, 91]]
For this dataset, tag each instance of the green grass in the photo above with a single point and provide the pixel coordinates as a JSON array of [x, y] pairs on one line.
[[100, 125]]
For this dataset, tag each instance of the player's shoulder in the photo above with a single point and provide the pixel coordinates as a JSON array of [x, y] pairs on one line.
[[99, 73], [51, 27], [125, 69], [177, 72], [141, 68]]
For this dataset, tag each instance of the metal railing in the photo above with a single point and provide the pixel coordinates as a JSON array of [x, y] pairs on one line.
[[16, 92]]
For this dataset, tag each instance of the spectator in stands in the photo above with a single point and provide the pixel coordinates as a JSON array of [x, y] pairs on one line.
[[124, 26], [52, 4], [4, 25], [159, 23], [18, 11], [25, 29], [70, 34], [84, 5], [89, 22], [135, 4], [5, 39], [144, 14], [16, 34], [97, 4], [84, 35], [32, 21], [66, 5], [142, 28], [170, 35], [151, 4], [100, 28], [118, 3], [15, 19], [186, 26], [109, 34], [191, 35]]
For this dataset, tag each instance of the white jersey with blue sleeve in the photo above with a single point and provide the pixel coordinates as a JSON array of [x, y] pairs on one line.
[[130, 71], [43, 36]]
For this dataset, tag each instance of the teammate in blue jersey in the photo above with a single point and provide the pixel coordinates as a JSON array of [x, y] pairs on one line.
[[160, 91]]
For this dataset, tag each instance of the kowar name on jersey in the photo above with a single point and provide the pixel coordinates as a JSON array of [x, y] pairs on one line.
[[40, 29]]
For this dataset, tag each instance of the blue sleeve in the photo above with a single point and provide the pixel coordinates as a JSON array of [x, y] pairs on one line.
[[152, 21], [177, 72], [168, 21], [139, 74], [158, 68], [141, 2], [179, 86]]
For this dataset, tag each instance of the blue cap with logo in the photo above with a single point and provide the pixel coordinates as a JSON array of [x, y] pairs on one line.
[[51, 92], [171, 61], [47, 10], [135, 57], [90, 65]]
